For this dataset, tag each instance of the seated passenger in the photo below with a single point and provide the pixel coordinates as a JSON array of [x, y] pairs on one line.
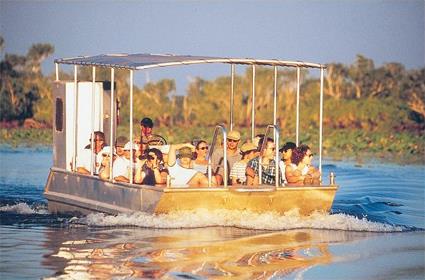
[[182, 174], [300, 171], [122, 165], [268, 165], [233, 155], [119, 145], [84, 157], [105, 166], [152, 172], [238, 172], [201, 150], [286, 151]]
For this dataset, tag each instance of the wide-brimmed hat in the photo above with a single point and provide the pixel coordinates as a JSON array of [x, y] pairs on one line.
[[234, 135], [185, 152], [127, 146], [248, 147], [107, 150], [121, 141]]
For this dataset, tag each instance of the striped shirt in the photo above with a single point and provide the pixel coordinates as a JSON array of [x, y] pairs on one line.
[[239, 171]]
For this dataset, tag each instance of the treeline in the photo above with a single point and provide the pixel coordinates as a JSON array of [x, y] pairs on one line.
[[360, 95]]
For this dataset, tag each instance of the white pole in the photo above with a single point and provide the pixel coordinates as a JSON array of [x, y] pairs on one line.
[[232, 94], [275, 98], [57, 72], [93, 108], [131, 126], [112, 122], [321, 120], [75, 116], [253, 104], [297, 132]]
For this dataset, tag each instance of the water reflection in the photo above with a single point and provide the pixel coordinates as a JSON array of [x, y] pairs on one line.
[[189, 253]]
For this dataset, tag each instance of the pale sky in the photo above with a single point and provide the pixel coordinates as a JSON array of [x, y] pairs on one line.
[[316, 31]]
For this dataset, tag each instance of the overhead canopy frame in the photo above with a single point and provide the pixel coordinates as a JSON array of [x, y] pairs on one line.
[[146, 61]]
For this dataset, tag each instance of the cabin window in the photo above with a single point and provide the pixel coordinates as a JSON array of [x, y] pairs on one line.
[[59, 115]]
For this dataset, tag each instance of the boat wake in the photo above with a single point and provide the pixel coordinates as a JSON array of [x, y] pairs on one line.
[[205, 218], [24, 209], [240, 219]]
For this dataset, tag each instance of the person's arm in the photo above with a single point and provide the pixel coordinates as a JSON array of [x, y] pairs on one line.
[[251, 176], [294, 176], [200, 180]]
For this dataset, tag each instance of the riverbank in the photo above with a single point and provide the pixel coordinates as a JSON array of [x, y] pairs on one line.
[[357, 145]]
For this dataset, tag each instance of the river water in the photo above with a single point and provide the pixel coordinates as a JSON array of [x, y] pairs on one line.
[[375, 231]]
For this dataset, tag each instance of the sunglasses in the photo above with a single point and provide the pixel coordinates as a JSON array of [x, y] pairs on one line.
[[203, 148], [151, 156], [231, 140]]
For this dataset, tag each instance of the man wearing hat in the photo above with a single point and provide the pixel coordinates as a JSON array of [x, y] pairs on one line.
[[286, 151], [233, 155], [182, 173], [238, 172]]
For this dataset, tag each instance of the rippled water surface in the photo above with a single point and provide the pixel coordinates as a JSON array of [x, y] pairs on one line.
[[375, 231]]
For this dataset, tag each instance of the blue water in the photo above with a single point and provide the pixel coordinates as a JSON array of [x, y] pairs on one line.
[[375, 231]]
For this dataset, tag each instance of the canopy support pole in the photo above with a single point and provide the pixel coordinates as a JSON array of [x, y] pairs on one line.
[[232, 94], [275, 98], [93, 108], [131, 126], [321, 123], [253, 104], [111, 138], [297, 132], [74, 163]]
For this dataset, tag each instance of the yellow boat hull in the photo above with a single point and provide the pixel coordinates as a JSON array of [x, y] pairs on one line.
[[71, 192]]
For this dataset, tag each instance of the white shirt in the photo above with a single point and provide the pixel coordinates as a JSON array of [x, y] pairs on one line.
[[282, 167], [180, 176], [121, 167], [84, 160]]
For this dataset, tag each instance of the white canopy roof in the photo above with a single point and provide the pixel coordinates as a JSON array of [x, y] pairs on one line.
[[144, 61]]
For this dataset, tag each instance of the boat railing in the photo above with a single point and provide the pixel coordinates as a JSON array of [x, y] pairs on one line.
[[276, 131], [211, 150]]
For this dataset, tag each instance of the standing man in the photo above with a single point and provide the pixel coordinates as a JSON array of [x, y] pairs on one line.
[[286, 151], [146, 128], [233, 156]]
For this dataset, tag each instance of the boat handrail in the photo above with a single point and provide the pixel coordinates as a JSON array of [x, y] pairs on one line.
[[263, 145], [211, 150]]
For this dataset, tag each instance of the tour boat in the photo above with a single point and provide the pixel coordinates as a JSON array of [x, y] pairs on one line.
[[82, 107]]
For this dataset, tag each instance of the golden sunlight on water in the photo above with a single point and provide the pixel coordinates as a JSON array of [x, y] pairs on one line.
[[203, 252]]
